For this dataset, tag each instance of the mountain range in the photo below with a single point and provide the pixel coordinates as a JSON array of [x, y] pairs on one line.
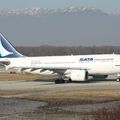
[[72, 26], [38, 11]]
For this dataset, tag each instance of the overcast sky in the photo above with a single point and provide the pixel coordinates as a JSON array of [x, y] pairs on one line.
[[106, 5]]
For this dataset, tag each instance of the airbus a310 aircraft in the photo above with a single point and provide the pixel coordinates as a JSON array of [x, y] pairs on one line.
[[73, 67]]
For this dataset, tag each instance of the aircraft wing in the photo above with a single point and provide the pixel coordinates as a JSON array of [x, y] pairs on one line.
[[43, 70]]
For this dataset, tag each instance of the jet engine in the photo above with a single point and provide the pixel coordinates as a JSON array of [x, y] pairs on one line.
[[79, 75]]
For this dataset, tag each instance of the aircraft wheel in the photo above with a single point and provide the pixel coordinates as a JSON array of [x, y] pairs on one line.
[[59, 81], [70, 80], [118, 80]]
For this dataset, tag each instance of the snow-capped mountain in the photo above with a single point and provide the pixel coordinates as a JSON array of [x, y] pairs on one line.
[[68, 26], [37, 11]]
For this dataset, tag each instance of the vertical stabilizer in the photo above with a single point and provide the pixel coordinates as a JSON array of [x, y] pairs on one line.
[[7, 50]]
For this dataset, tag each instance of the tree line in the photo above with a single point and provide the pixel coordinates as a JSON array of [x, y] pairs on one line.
[[47, 50]]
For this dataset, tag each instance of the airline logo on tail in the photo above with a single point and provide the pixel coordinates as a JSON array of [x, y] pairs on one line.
[[6, 49], [3, 51]]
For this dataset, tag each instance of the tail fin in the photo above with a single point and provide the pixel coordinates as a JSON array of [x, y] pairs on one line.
[[7, 50]]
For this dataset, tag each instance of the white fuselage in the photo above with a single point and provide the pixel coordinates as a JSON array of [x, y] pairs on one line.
[[95, 64]]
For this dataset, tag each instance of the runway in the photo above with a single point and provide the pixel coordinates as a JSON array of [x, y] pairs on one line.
[[50, 86], [43, 99]]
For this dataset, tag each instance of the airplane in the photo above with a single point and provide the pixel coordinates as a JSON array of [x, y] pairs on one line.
[[72, 67]]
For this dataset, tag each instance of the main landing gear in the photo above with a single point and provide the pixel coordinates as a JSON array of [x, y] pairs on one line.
[[58, 81], [62, 80], [118, 80], [118, 77]]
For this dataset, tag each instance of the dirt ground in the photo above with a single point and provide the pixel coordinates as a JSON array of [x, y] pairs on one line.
[[35, 97]]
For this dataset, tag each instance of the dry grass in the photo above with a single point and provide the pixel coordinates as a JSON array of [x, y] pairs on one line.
[[66, 97], [20, 76], [10, 92], [107, 114], [76, 97], [59, 98]]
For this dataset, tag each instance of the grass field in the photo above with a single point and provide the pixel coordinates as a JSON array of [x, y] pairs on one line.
[[77, 97], [19, 76], [61, 95]]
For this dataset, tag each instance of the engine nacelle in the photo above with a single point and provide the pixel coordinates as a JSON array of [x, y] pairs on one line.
[[79, 75]]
